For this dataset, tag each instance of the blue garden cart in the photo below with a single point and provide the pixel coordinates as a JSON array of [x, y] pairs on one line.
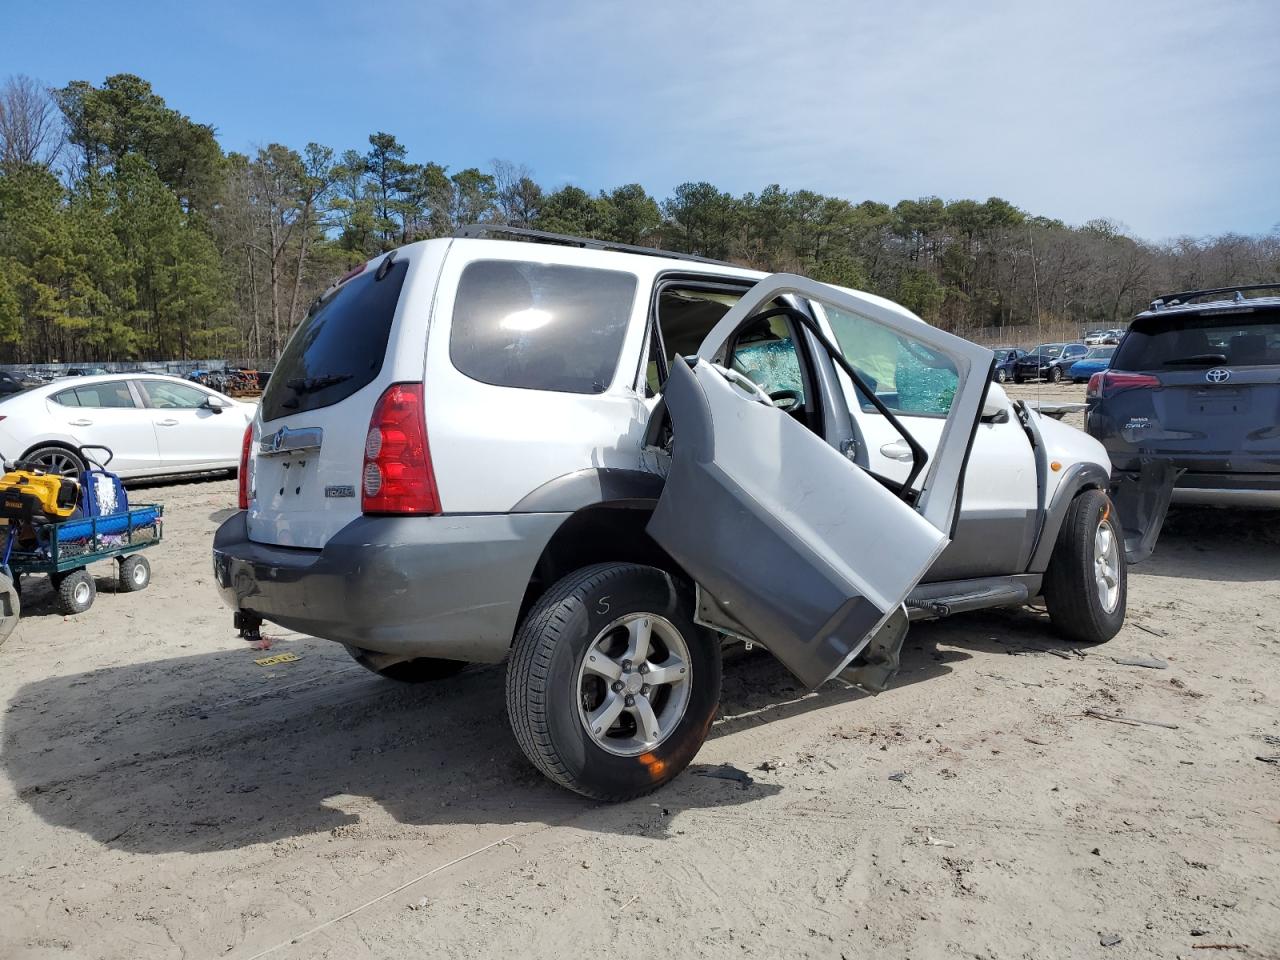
[[63, 550]]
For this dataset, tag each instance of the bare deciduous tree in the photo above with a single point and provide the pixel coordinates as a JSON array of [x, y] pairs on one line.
[[31, 130]]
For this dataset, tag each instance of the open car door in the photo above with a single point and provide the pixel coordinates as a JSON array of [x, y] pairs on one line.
[[793, 545]]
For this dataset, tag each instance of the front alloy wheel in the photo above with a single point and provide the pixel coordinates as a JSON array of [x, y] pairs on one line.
[[1086, 585]]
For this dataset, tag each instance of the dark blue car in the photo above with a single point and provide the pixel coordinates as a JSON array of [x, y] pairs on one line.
[[1006, 357]]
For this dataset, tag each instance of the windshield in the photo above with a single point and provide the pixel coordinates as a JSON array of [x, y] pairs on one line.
[[1047, 350], [1236, 339], [1099, 353]]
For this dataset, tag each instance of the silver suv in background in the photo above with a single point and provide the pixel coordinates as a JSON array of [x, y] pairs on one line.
[[1195, 386]]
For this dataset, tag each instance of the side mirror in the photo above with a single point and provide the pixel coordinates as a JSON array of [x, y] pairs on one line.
[[214, 404], [995, 409]]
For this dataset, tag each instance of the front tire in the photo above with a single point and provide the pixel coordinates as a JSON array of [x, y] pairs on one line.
[[1086, 586], [1001, 376], [1055, 375], [611, 686], [76, 592]]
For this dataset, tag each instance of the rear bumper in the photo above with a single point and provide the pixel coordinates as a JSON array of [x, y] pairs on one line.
[[447, 586], [1229, 489]]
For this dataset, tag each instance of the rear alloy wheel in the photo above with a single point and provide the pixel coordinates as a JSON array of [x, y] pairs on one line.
[[417, 670], [1086, 585], [1001, 376], [57, 460], [76, 592], [1055, 374], [611, 686]]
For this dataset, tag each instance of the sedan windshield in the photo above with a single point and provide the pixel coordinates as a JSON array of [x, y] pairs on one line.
[[1046, 351]]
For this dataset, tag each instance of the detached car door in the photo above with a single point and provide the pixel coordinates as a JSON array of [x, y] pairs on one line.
[[788, 539]]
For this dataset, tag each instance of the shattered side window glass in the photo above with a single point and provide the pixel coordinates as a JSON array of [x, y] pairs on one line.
[[766, 354]]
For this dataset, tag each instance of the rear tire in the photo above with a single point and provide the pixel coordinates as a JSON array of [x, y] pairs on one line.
[[1086, 585], [76, 592], [1055, 374], [57, 460], [1001, 376], [417, 670], [135, 574], [571, 667]]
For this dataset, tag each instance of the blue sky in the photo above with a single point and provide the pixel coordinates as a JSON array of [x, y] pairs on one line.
[[1161, 115]]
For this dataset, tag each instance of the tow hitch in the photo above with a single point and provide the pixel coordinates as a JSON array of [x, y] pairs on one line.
[[249, 624]]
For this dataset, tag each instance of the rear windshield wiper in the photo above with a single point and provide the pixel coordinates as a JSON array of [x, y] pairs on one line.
[[312, 384], [1197, 359]]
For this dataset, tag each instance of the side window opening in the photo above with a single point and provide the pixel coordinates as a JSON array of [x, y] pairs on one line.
[[111, 395]]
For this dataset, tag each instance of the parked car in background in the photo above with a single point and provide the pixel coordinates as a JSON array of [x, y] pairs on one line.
[[1095, 337], [576, 470], [1045, 362], [1114, 336], [154, 425], [1196, 384], [1098, 358], [1006, 357], [11, 384]]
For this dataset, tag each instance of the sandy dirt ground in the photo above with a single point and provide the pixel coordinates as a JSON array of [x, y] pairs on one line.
[[164, 796]]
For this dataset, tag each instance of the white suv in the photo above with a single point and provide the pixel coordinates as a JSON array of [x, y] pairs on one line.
[[601, 462]]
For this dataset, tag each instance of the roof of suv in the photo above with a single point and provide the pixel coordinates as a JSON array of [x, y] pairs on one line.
[[1189, 302]]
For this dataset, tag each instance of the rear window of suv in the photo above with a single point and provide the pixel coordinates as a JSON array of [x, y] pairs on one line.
[[1201, 340], [338, 348], [540, 326]]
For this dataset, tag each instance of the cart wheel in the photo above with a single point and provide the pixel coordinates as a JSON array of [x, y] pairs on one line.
[[76, 592], [135, 574], [10, 607]]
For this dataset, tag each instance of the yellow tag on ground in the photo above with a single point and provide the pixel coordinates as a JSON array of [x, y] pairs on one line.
[[278, 658]]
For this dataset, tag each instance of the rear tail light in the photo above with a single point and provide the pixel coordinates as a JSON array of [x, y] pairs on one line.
[[1110, 382], [398, 476], [245, 483]]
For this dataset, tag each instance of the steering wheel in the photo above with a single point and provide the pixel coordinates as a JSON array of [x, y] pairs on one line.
[[785, 399]]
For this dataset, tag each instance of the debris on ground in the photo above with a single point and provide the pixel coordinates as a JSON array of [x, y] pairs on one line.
[[278, 658], [1268, 759], [1151, 630], [937, 841], [1152, 663], [420, 905], [262, 643], [1131, 721], [727, 771], [1110, 939], [899, 776], [769, 765]]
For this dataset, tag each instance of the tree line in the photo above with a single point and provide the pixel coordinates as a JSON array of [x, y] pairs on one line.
[[126, 232]]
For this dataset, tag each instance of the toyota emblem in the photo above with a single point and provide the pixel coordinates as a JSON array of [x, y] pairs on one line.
[[1218, 375]]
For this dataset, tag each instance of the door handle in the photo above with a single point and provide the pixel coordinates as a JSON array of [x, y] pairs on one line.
[[897, 450], [166, 423], [81, 423]]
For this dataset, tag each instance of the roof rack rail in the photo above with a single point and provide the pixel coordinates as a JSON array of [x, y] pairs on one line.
[[494, 231], [1169, 299]]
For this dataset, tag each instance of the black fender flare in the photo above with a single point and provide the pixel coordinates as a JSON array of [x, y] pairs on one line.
[[1078, 477], [594, 486]]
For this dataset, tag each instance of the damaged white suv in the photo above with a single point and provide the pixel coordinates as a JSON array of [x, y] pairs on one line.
[[600, 462]]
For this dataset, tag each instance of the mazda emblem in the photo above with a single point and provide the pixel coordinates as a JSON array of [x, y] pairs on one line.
[[1218, 375]]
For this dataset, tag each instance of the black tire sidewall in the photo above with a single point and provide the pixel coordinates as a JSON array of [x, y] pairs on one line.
[[1070, 589], [127, 566], [627, 589]]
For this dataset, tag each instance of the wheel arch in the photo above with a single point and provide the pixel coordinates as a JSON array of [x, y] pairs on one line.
[[1078, 478], [607, 512]]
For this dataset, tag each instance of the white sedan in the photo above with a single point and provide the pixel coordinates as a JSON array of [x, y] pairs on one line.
[[154, 425]]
